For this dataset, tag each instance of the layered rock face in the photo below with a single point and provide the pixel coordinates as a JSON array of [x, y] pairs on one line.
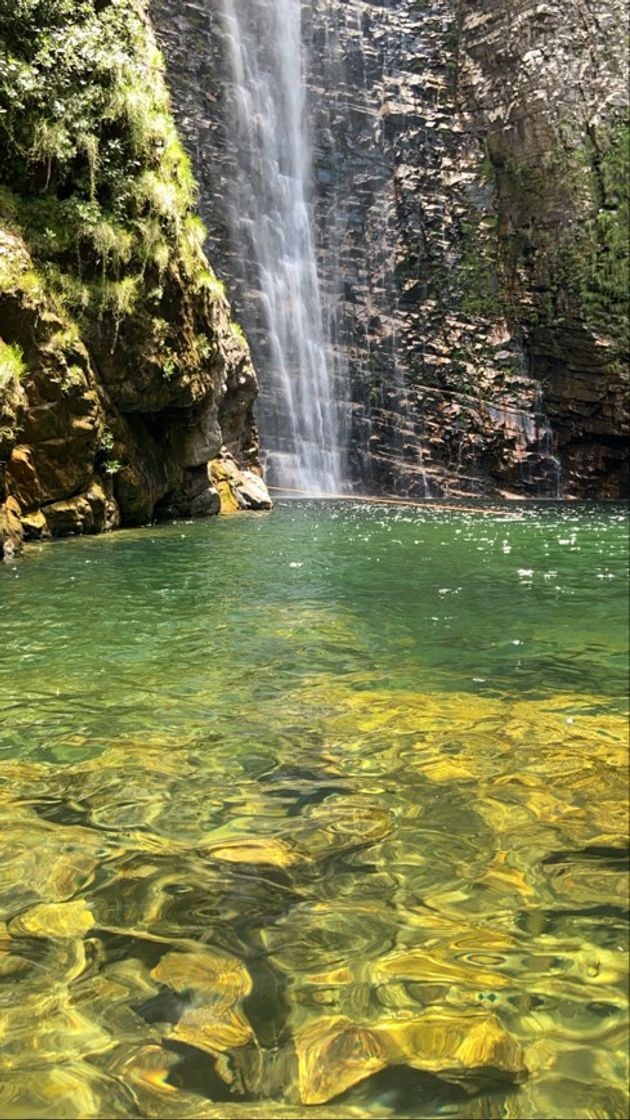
[[121, 373], [468, 171], [545, 87]]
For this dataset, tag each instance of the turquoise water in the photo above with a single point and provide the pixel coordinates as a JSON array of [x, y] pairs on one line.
[[318, 812]]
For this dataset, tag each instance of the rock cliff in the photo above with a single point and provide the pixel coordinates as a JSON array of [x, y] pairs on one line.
[[471, 215], [121, 372], [470, 205]]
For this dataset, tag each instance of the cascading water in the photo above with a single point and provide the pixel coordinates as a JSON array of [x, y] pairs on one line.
[[269, 214]]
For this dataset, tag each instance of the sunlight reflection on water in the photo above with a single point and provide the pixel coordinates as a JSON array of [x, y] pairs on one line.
[[317, 813]]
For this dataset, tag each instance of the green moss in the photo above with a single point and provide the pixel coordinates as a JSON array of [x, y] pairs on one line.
[[477, 274], [106, 442], [193, 237], [210, 283], [170, 364], [375, 394], [579, 271], [112, 466], [9, 206], [12, 367], [73, 377], [64, 339], [602, 252], [203, 346], [97, 179], [119, 297], [16, 276], [72, 293]]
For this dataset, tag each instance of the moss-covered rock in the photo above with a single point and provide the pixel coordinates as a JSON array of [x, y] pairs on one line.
[[120, 371], [545, 88]]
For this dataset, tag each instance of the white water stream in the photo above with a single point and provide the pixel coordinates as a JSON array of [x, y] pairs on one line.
[[271, 227]]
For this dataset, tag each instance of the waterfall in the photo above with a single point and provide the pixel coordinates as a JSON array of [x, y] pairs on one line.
[[269, 211]]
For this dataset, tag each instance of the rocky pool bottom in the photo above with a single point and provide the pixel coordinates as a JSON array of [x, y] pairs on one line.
[[317, 813]]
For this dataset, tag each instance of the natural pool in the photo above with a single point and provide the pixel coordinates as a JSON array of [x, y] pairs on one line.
[[317, 813]]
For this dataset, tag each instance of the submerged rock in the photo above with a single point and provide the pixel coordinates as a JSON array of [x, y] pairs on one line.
[[269, 851], [61, 919], [335, 1053], [215, 984], [454, 1045], [43, 863]]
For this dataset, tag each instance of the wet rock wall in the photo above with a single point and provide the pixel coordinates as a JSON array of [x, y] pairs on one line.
[[468, 167]]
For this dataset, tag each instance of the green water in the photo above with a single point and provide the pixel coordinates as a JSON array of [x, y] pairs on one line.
[[317, 813]]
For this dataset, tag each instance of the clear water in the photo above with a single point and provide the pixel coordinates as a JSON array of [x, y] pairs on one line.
[[302, 810]]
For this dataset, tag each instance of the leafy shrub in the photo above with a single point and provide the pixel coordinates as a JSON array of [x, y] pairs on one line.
[[96, 177]]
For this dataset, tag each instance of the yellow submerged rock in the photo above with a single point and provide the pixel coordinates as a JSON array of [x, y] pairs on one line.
[[264, 850], [41, 862], [452, 1044], [333, 1055], [334, 827], [266, 1110], [205, 972], [216, 983], [70, 1089], [213, 1027], [55, 919], [436, 965]]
